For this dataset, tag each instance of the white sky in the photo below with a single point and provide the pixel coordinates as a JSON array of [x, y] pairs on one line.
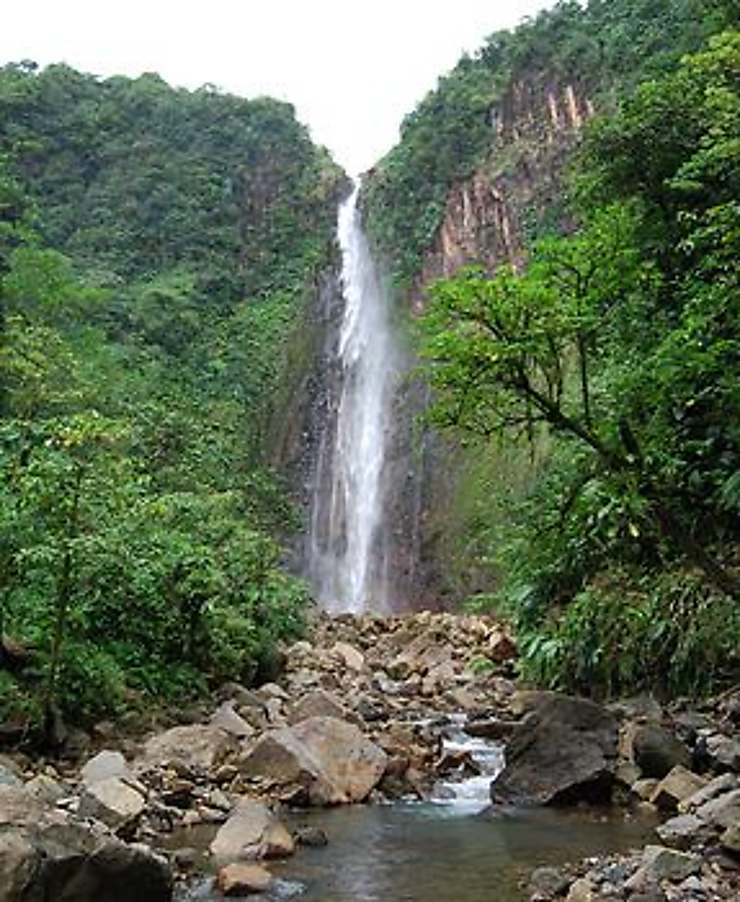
[[352, 70]]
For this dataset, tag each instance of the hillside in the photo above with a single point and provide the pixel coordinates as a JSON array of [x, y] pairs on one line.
[[158, 250], [588, 483]]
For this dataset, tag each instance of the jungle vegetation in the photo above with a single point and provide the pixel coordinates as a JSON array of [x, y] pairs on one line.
[[157, 249], [616, 352]]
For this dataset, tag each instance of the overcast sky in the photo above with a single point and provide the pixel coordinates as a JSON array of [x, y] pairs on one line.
[[353, 70]]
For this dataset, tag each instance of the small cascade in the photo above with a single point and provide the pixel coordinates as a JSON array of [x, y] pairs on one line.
[[469, 794], [347, 545]]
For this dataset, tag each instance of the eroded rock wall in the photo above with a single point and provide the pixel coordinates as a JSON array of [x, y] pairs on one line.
[[518, 189], [516, 194]]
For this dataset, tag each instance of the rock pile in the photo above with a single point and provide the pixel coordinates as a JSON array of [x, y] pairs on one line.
[[356, 716], [683, 764]]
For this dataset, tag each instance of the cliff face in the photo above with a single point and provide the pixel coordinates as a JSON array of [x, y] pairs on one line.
[[518, 189], [514, 195]]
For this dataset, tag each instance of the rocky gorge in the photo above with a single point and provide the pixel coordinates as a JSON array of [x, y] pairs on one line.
[[362, 712]]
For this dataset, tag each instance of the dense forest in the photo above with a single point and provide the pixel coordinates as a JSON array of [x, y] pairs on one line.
[[158, 249], [611, 360]]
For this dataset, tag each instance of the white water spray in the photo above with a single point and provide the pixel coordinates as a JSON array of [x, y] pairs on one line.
[[348, 551]]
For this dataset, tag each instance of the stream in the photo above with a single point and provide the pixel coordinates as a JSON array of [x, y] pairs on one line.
[[452, 848]]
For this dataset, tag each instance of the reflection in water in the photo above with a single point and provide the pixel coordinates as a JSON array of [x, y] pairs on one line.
[[414, 853], [424, 852]]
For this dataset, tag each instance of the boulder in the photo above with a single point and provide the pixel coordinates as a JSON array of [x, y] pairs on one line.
[[501, 647], [563, 752], [47, 789], [317, 704], [18, 808], [438, 679], [114, 802], [730, 839], [103, 766], [330, 761], [350, 656], [712, 790], [193, 749], [243, 879], [18, 863], [491, 729], [583, 890], [251, 832], [226, 718], [269, 691], [644, 789], [548, 882], [422, 655], [311, 837], [659, 863], [49, 854], [724, 811], [724, 753], [656, 751], [678, 785], [683, 831]]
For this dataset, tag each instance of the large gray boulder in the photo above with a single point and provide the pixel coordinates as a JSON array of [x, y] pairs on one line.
[[322, 760], [47, 854], [191, 750], [564, 751]]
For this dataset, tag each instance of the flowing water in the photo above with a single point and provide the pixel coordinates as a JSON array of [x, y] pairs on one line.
[[450, 849], [347, 551]]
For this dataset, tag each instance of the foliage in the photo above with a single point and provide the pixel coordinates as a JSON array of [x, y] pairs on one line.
[[621, 342], [631, 631], [603, 46], [149, 301]]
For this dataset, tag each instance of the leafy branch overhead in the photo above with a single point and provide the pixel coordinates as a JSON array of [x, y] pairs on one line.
[[622, 343]]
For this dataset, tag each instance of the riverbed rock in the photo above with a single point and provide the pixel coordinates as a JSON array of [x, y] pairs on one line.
[[46, 853], [329, 761], [724, 811], [318, 703], [104, 766], [8, 777], [684, 831], [731, 839], [226, 718], [676, 786], [723, 753], [426, 652], [243, 879], [583, 890], [351, 657], [659, 863], [712, 790], [546, 882], [493, 728], [114, 802], [46, 789], [191, 750], [18, 863], [564, 751], [252, 832], [656, 751]]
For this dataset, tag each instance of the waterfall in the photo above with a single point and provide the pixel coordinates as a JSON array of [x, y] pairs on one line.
[[348, 545]]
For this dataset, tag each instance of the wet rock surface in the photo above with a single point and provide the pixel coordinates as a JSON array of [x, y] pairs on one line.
[[564, 751], [363, 712]]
